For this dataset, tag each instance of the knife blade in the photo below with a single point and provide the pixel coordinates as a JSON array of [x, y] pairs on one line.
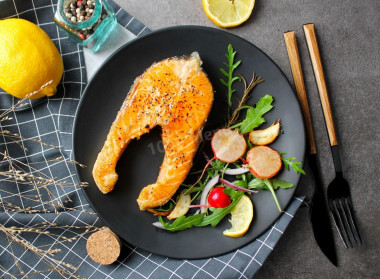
[[319, 215]]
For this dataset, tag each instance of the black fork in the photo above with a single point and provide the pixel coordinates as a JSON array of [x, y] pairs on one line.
[[338, 191], [339, 199]]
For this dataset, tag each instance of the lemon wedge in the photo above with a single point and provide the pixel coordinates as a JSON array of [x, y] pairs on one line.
[[241, 218], [228, 13]]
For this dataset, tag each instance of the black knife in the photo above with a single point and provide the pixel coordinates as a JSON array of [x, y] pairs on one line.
[[319, 215]]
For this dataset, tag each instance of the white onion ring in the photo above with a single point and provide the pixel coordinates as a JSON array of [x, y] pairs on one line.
[[158, 225], [206, 190], [236, 171]]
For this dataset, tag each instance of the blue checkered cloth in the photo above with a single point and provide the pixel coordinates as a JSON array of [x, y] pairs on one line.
[[22, 205]]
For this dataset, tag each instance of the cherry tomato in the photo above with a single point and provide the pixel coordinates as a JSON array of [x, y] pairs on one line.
[[218, 199]]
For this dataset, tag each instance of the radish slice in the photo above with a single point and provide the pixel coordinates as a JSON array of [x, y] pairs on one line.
[[228, 145], [236, 171], [206, 190], [264, 162], [229, 184]]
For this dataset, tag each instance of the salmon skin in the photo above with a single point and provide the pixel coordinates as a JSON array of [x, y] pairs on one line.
[[175, 94]]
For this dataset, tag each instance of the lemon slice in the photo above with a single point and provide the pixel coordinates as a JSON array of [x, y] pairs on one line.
[[241, 218], [228, 13]]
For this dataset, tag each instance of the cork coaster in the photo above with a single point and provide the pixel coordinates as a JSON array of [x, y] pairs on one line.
[[104, 246]]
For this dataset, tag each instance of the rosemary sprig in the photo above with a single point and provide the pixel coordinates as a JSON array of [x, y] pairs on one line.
[[247, 89], [231, 66]]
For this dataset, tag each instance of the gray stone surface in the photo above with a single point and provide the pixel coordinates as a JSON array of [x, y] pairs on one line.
[[350, 45]]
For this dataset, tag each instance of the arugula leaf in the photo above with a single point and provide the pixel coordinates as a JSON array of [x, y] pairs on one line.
[[182, 223], [259, 184], [231, 65], [165, 208], [270, 188], [270, 185], [219, 213], [217, 164], [241, 183], [254, 117], [288, 162], [278, 183]]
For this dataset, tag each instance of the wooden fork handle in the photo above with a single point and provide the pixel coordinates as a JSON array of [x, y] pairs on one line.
[[315, 57], [295, 64]]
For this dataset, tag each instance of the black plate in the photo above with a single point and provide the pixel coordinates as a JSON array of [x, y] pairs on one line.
[[140, 163]]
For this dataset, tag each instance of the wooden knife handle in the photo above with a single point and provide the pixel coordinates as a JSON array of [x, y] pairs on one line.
[[295, 64], [315, 57]]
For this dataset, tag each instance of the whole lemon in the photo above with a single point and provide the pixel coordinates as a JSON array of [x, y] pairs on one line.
[[28, 60]]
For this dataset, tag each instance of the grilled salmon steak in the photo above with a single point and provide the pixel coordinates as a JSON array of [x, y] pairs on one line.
[[175, 94]]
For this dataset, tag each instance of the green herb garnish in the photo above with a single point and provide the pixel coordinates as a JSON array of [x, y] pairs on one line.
[[259, 184], [166, 207], [182, 223], [254, 117], [231, 66], [288, 163], [269, 185], [247, 89]]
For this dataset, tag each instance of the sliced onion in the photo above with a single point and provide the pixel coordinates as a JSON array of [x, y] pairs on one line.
[[225, 182], [158, 225], [236, 171], [206, 190]]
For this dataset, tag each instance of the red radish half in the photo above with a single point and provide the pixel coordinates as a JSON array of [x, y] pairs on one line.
[[264, 162], [228, 145], [218, 199]]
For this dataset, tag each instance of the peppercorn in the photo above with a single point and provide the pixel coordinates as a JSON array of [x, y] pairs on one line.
[[81, 11]]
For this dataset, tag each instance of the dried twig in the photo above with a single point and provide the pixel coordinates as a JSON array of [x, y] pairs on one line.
[[13, 235], [21, 103], [42, 195]]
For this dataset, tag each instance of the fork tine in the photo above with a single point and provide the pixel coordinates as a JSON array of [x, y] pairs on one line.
[[338, 221], [352, 221], [343, 221], [346, 223]]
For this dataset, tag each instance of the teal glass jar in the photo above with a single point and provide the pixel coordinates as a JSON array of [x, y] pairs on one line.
[[87, 22]]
